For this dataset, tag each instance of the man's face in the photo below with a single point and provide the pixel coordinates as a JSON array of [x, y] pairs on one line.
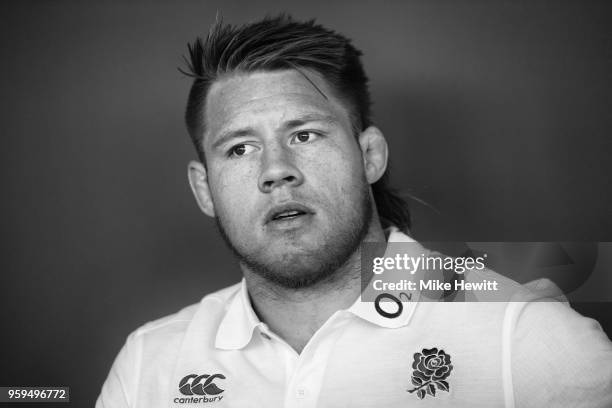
[[285, 174]]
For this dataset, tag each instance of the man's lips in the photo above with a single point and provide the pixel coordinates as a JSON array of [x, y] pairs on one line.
[[287, 211]]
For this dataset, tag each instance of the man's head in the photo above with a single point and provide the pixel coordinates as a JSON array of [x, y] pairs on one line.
[[279, 113]]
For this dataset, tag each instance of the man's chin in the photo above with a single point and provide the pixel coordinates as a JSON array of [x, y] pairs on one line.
[[294, 275], [293, 266]]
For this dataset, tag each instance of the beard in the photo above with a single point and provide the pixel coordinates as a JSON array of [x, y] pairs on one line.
[[309, 267]]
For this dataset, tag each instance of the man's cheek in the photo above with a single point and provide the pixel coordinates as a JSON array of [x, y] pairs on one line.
[[238, 185], [229, 200], [230, 171]]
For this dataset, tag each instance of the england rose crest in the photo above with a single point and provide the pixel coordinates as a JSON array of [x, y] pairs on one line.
[[431, 369]]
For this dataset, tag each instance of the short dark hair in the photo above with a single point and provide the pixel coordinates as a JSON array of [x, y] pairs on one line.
[[280, 43]]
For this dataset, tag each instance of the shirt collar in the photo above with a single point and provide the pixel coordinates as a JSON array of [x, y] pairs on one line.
[[240, 321], [367, 311], [236, 328]]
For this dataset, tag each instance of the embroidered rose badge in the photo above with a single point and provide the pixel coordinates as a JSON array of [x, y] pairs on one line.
[[431, 369]]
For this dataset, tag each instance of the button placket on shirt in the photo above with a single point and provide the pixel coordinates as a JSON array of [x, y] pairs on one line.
[[306, 380]]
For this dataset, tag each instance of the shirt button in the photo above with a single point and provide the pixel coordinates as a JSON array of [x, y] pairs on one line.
[[300, 393], [265, 336]]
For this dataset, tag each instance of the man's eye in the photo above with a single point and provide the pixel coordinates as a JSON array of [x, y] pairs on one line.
[[241, 150], [304, 137]]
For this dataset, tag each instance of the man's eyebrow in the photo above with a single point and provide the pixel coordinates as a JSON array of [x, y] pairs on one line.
[[308, 118], [290, 124], [232, 134]]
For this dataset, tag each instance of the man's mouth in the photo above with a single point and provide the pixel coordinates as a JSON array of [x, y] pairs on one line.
[[287, 212], [287, 215]]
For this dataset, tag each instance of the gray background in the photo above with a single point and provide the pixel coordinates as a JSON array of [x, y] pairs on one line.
[[497, 114]]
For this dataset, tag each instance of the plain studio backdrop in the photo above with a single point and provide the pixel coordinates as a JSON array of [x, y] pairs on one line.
[[498, 115]]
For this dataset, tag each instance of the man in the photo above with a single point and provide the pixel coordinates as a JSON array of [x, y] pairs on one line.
[[294, 174]]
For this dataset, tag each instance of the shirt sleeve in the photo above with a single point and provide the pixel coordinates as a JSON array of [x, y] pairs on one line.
[[120, 385], [559, 358]]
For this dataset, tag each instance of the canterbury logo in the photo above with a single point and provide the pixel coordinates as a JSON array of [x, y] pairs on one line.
[[193, 385]]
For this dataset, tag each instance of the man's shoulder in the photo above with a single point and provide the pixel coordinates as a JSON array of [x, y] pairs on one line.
[[212, 307]]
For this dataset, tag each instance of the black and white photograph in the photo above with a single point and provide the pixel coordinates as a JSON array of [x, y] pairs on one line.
[[323, 204]]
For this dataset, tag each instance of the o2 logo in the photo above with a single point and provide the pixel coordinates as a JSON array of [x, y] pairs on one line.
[[398, 302]]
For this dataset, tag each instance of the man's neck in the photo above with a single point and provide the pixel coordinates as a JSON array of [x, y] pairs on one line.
[[296, 314]]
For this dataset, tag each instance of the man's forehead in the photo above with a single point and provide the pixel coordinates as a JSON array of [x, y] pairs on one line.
[[244, 95], [265, 83]]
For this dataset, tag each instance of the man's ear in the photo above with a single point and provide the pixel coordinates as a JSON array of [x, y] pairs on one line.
[[375, 153], [198, 180]]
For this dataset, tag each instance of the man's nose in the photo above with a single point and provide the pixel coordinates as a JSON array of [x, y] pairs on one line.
[[279, 168]]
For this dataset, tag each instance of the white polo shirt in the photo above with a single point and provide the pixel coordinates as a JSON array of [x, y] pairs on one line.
[[217, 353]]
